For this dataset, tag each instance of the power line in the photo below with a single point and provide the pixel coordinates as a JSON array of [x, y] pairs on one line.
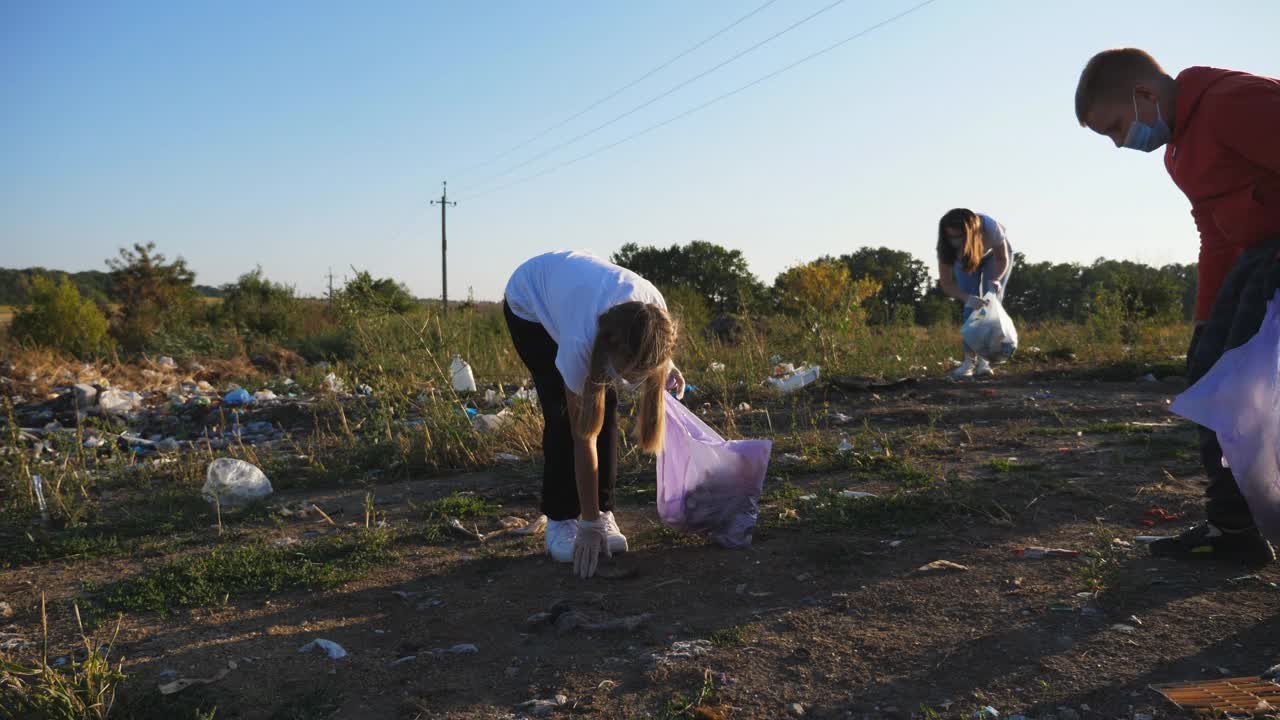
[[614, 94], [710, 102], [656, 98]]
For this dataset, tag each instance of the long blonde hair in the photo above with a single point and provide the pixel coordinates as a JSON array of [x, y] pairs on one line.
[[640, 340], [970, 224]]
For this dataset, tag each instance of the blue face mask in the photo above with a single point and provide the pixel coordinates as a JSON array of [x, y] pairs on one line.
[[1144, 137]]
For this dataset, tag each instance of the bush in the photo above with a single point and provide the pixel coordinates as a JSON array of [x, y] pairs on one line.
[[154, 295], [57, 317], [258, 307], [688, 307]]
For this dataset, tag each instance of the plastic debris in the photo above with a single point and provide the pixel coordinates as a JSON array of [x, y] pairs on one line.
[[333, 383], [491, 423], [37, 487], [543, 707], [854, 494], [681, 650], [986, 713], [1036, 552], [794, 379], [230, 481], [118, 402], [716, 367], [463, 379], [1156, 515], [330, 648], [506, 457], [263, 395], [525, 394], [86, 395], [844, 446], [1149, 378], [168, 445], [166, 362], [990, 331], [941, 566], [1122, 627], [239, 396], [181, 684]]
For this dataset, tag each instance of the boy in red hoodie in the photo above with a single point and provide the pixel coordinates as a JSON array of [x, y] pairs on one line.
[[1221, 133]]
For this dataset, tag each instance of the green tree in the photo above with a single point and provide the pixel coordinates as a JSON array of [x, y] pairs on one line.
[[56, 316], [154, 295], [257, 306], [903, 282], [365, 292], [718, 274]]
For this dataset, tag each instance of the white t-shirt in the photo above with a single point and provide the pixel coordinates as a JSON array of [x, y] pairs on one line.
[[567, 292]]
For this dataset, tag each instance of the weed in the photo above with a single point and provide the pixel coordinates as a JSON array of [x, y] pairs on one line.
[[464, 505], [256, 568], [679, 708], [732, 636], [781, 492], [84, 689], [1011, 465]]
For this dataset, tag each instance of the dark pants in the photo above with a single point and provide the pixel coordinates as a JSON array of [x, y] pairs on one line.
[[559, 484], [1236, 316]]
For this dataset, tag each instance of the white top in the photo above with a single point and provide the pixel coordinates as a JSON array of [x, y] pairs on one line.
[[567, 292]]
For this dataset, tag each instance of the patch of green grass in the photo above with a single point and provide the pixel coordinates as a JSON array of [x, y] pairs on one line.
[[1011, 465], [459, 505], [732, 636], [82, 689], [783, 492], [256, 568], [830, 511], [681, 708], [661, 536]]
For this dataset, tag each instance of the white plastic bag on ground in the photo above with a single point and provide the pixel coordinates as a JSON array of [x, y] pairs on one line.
[[231, 482], [795, 379], [118, 402], [463, 379], [1239, 399], [491, 423], [989, 331]]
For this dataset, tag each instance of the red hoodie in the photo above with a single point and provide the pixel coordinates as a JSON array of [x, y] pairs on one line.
[[1225, 155]]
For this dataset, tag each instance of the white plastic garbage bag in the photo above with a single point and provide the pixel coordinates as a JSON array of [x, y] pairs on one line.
[[463, 379], [1239, 399], [796, 380], [989, 331], [118, 402], [231, 481]]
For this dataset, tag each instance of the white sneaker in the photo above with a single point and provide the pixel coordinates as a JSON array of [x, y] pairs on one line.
[[617, 541], [983, 368], [561, 535], [966, 368]]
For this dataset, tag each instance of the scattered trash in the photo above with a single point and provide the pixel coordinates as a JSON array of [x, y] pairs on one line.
[[506, 457], [543, 707], [1149, 378], [333, 383], [844, 446], [986, 713], [796, 709], [706, 484], [744, 407], [167, 362], [491, 423], [37, 487], [463, 379], [941, 566], [264, 395], [1127, 629], [459, 649], [492, 398], [239, 396], [525, 394], [118, 402], [85, 395], [716, 367], [853, 494], [510, 526], [1159, 515], [1226, 697], [681, 650], [1036, 553], [230, 481], [181, 684], [330, 648], [1148, 539], [12, 642], [838, 418], [168, 445], [795, 379]]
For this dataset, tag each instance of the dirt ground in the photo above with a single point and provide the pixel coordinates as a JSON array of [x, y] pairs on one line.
[[826, 615]]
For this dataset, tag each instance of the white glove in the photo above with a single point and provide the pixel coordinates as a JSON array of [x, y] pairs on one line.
[[974, 302], [586, 549], [995, 287], [675, 381]]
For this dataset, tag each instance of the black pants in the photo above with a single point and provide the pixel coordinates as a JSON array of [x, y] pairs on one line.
[[559, 484], [1236, 317]]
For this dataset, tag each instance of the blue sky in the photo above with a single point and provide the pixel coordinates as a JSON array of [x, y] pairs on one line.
[[303, 136]]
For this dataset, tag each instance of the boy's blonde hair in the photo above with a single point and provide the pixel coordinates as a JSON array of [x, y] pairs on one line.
[[1112, 75]]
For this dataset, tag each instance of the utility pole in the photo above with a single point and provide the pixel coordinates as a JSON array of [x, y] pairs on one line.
[[444, 203], [330, 286]]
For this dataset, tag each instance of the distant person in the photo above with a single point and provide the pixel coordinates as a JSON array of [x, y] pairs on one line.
[[973, 259], [584, 326], [1221, 134]]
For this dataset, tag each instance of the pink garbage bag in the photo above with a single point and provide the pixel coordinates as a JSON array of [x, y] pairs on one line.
[[706, 484], [1239, 399]]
